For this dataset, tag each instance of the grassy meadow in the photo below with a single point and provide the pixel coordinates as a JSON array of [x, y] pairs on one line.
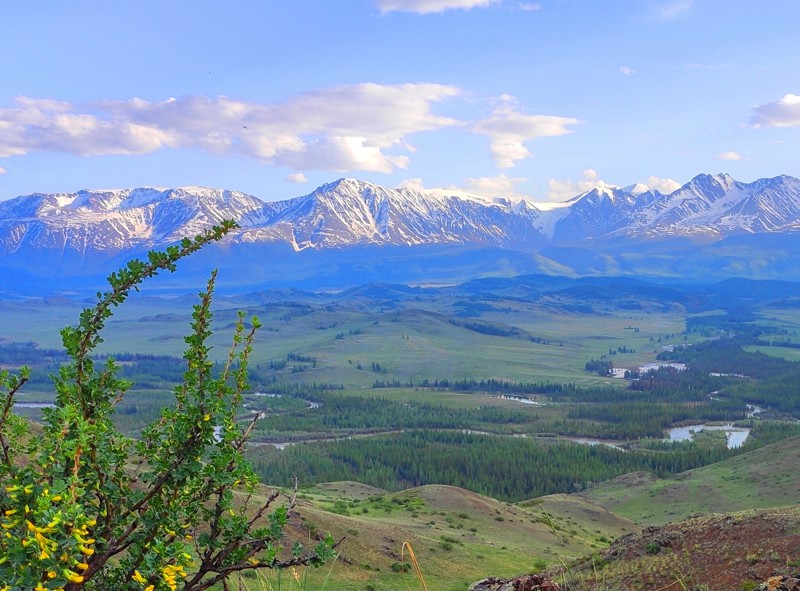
[[414, 341]]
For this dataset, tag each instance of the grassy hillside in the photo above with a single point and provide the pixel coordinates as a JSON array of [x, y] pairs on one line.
[[766, 477], [412, 337], [458, 536]]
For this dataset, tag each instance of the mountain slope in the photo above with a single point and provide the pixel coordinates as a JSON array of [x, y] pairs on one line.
[[719, 206], [101, 224], [353, 228], [458, 536], [350, 212], [601, 211], [766, 477]]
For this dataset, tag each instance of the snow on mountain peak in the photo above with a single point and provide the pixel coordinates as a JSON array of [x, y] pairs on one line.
[[349, 212]]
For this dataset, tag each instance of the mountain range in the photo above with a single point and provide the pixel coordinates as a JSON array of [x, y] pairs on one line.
[[352, 231]]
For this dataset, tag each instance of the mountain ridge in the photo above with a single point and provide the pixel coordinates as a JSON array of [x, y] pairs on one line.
[[601, 231]]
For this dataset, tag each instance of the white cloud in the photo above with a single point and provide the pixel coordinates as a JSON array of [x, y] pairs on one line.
[[785, 112], [430, 6], [563, 190], [416, 184], [489, 187], [42, 125], [344, 128], [674, 9], [666, 186], [508, 128], [529, 6], [729, 156], [297, 177], [3, 170], [626, 70], [495, 186]]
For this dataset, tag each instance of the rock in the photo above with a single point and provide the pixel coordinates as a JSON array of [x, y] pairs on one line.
[[780, 583], [521, 583]]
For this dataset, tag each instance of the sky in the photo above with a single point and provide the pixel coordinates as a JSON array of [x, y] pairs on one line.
[[536, 98]]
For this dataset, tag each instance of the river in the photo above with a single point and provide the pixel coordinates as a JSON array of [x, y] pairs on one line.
[[736, 435]]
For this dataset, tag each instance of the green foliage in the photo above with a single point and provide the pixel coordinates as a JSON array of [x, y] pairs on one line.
[[337, 412], [83, 507], [484, 464], [652, 548]]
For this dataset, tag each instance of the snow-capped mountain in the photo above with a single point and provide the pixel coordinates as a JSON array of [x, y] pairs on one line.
[[77, 233], [350, 212], [718, 206], [601, 211], [104, 223]]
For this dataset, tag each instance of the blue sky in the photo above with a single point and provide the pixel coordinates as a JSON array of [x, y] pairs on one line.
[[541, 98]]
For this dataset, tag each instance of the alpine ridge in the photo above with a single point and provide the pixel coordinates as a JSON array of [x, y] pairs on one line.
[[607, 230]]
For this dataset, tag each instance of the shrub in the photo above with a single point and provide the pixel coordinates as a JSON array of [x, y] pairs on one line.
[[652, 548], [82, 507]]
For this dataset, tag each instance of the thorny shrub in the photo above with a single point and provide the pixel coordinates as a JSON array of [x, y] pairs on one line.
[[83, 507]]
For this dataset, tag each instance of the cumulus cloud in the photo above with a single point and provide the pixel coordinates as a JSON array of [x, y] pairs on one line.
[[785, 112], [489, 187], [495, 186], [508, 128], [430, 6], [3, 170], [44, 125], [626, 70], [666, 186], [729, 156], [297, 177], [563, 190], [354, 127], [416, 184]]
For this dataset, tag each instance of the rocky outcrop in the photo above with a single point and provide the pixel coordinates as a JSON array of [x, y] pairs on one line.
[[521, 583]]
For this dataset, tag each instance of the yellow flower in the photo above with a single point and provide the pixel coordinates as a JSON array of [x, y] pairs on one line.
[[137, 576], [72, 577], [206, 417]]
